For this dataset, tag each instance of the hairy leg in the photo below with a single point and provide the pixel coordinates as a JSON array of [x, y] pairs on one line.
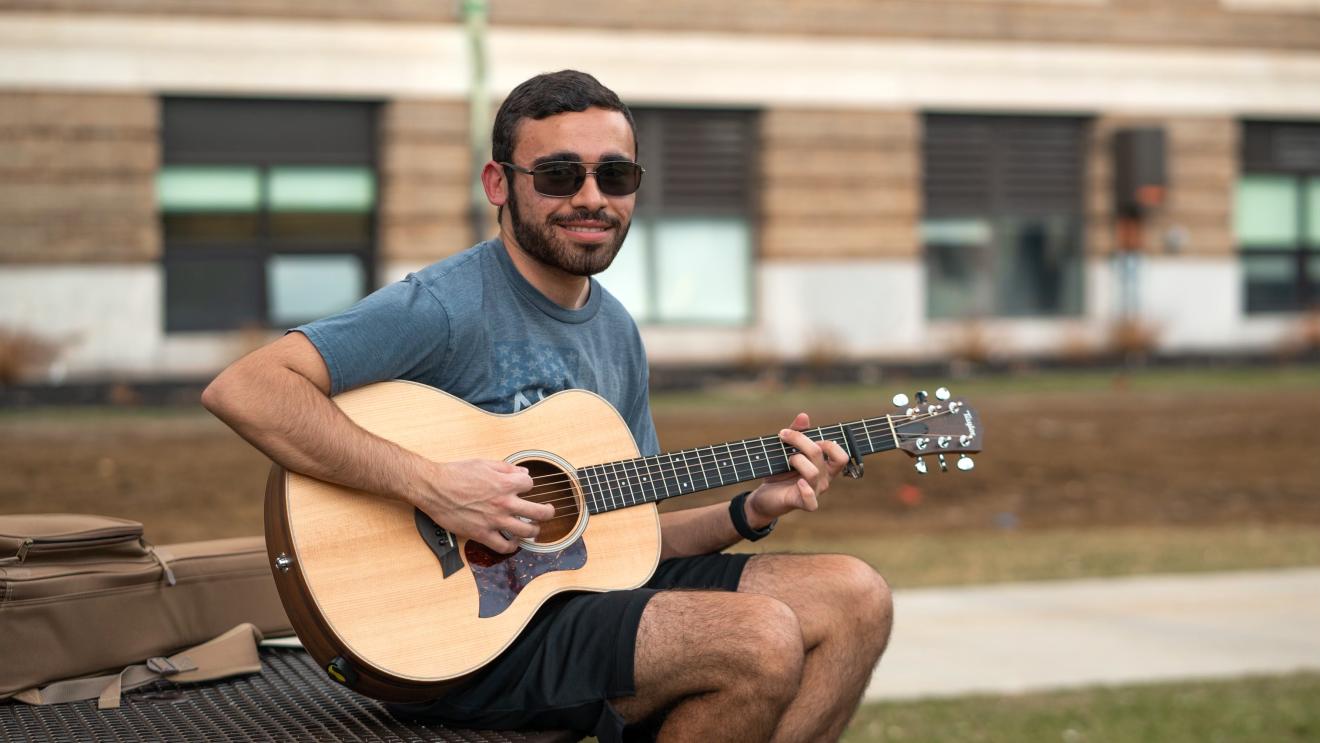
[[724, 666], [845, 611]]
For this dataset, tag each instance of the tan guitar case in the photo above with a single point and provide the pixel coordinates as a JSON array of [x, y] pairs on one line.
[[85, 594]]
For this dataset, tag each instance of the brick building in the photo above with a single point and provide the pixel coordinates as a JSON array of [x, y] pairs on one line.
[[844, 179]]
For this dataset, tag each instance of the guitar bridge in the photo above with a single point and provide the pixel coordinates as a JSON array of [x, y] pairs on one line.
[[441, 541]]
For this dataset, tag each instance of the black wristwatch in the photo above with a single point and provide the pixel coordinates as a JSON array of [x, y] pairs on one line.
[[738, 514]]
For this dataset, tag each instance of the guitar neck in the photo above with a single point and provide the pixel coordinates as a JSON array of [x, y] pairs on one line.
[[631, 482]]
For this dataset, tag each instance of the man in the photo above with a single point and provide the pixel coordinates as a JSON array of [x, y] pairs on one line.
[[771, 647]]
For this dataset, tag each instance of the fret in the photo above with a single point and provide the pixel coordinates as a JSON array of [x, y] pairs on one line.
[[764, 458], [589, 474], [610, 502], [784, 448], [701, 467], [620, 485], [747, 459], [715, 460], [627, 495], [843, 443], [657, 474], [729, 463], [672, 478], [640, 478], [866, 428], [687, 485]]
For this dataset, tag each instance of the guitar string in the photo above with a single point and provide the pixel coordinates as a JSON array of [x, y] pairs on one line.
[[881, 427], [630, 480]]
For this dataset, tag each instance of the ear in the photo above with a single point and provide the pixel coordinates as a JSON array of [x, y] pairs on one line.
[[495, 183]]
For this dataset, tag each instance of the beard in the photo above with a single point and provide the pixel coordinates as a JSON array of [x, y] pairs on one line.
[[542, 243]]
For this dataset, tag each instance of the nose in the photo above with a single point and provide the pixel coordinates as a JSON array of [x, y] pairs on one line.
[[589, 196]]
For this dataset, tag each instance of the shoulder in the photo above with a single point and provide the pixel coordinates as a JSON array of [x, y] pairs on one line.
[[456, 269], [614, 313]]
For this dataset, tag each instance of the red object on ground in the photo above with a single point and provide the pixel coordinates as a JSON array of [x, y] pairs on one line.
[[909, 495]]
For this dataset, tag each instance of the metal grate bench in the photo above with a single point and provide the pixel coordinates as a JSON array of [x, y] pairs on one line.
[[290, 700]]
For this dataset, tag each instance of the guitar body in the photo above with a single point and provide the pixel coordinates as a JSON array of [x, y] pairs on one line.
[[367, 594]]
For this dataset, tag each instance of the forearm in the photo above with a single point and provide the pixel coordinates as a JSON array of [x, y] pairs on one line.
[[284, 415], [700, 531]]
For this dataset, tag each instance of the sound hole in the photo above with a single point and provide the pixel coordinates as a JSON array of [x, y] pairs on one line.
[[559, 489]]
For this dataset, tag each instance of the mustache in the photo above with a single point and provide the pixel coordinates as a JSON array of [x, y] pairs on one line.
[[586, 215]]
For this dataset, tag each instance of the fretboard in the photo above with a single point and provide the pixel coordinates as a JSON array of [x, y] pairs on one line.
[[631, 482]]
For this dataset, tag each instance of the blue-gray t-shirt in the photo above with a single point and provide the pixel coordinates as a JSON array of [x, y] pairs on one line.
[[472, 326]]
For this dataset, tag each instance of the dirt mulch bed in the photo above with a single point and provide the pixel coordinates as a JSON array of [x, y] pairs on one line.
[[1059, 459]]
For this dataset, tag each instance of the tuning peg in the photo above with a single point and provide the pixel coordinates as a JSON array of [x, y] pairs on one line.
[[900, 400], [920, 465], [942, 393], [965, 463], [944, 466], [921, 396]]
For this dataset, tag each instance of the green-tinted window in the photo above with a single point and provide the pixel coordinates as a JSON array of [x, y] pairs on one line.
[[304, 287], [210, 188], [695, 259], [268, 210], [322, 189], [1265, 211], [1313, 214], [689, 256]]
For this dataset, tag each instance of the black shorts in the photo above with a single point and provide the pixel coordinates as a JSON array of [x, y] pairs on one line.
[[575, 655]]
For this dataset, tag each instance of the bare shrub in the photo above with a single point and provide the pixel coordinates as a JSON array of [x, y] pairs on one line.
[[1133, 338], [22, 353]]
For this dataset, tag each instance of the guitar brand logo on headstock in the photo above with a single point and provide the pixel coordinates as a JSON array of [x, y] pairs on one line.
[[971, 427]]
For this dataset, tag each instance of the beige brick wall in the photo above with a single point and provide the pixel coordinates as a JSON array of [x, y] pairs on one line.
[[1202, 167], [839, 184], [77, 177], [1144, 22], [424, 171]]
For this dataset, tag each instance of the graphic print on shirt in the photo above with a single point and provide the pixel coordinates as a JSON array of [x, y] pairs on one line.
[[530, 372]]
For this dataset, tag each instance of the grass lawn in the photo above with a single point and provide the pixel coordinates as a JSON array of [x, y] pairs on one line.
[[1270, 709]]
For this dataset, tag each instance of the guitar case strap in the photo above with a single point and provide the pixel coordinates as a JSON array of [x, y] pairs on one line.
[[231, 654]]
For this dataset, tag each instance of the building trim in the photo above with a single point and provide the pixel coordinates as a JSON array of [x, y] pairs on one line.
[[373, 59]]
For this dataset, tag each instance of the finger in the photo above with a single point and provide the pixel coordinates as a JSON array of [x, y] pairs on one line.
[[802, 422], [498, 542], [809, 502], [531, 509], [521, 479], [520, 528], [804, 467], [806, 446], [835, 457]]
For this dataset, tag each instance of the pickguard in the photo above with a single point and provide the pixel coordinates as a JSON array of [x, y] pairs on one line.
[[500, 578]]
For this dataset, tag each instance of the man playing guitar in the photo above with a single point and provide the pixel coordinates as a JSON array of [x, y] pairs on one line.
[[765, 647]]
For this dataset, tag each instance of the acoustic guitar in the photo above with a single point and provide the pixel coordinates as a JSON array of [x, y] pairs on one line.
[[394, 606]]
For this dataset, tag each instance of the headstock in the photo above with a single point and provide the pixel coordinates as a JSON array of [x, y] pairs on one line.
[[946, 425]]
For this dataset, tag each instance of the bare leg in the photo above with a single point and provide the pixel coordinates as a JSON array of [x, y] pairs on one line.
[[845, 611], [724, 665]]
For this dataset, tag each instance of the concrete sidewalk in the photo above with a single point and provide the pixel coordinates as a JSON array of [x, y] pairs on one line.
[[1036, 636]]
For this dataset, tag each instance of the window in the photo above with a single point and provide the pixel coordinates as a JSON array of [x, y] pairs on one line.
[[1276, 216], [1002, 220], [267, 210], [688, 256]]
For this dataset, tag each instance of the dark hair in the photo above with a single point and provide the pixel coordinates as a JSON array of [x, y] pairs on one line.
[[546, 95]]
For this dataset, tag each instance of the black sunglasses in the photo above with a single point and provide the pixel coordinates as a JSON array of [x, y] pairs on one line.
[[563, 178]]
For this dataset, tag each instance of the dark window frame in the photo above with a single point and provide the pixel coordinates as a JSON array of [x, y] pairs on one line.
[[664, 196], [1279, 148], [197, 131], [989, 186]]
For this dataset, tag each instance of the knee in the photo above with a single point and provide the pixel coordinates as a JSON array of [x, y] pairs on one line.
[[766, 648], [864, 592]]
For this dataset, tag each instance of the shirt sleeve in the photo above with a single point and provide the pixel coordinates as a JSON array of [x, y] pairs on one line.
[[390, 334]]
